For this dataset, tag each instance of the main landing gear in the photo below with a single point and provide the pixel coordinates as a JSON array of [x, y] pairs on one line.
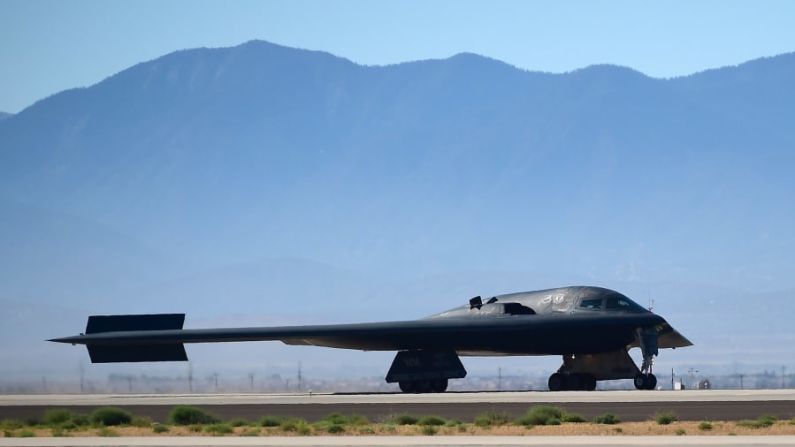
[[571, 382], [645, 381], [423, 386]]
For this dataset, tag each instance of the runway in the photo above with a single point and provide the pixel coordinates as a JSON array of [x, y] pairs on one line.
[[628, 405], [393, 441]]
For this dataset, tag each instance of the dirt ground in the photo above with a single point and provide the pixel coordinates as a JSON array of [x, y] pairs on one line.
[[688, 428]]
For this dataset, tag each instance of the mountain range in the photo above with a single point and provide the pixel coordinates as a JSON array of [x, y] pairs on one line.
[[262, 183]]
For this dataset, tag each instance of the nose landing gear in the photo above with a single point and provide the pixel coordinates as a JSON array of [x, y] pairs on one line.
[[647, 338]]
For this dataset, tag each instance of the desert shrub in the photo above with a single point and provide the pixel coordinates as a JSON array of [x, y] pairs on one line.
[[239, 422], [767, 420], [8, 434], [341, 419], [160, 428], [187, 415], [218, 429], [431, 420], [390, 428], [453, 423], [26, 433], [110, 416], [80, 420], [271, 421], [303, 428], [141, 421], [58, 432], [366, 430], [57, 416], [195, 428], [292, 424], [553, 421], [250, 432], [618, 430], [607, 418], [680, 432], [760, 422], [572, 418], [665, 418], [491, 418], [403, 419], [541, 415], [429, 430], [705, 425], [10, 424], [335, 428]]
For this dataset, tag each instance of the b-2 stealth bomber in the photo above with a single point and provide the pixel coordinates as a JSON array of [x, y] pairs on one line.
[[592, 328]]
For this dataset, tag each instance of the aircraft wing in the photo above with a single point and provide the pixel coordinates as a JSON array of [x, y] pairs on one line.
[[160, 337]]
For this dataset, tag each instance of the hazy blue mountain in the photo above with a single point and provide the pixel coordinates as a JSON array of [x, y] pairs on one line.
[[4, 115], [263, 180]]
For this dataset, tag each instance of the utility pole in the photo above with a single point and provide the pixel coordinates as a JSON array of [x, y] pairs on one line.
[[783, 377], [741, 382], [300, 378], [190, 377], [82, 377], [499, 379], [251, 381], [215, 381], [672, 378]]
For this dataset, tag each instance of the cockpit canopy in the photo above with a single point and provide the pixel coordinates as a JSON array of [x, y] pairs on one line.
[[611, 302]]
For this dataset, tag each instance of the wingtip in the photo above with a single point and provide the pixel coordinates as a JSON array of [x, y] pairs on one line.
[[67, 340]]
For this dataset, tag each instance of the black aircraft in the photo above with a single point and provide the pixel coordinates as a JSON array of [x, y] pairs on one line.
[[591, 327]]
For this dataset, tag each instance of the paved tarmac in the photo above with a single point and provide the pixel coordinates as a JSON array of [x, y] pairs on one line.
[[628, 405], [391, 441]]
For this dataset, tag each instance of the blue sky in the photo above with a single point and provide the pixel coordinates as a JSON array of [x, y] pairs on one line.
[[48, 46]]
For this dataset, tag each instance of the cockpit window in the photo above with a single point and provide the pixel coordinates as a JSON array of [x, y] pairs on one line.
[[620, 302], [592, 304]]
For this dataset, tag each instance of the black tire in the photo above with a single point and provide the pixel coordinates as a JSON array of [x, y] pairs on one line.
[[573, 382], [439, 385], [556, 382], [589, 382], [407, 387], [641, 382], [652, 382], [424, 386]]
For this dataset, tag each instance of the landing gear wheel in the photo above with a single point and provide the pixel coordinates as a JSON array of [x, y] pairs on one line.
[[557, 382], [407, 386], [640, 381], [573, 382], [645, 381], [589, 382], [652, 382], [424, 386], [439, 385]]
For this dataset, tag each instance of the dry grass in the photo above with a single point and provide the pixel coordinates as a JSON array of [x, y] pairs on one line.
[[690, 428]]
